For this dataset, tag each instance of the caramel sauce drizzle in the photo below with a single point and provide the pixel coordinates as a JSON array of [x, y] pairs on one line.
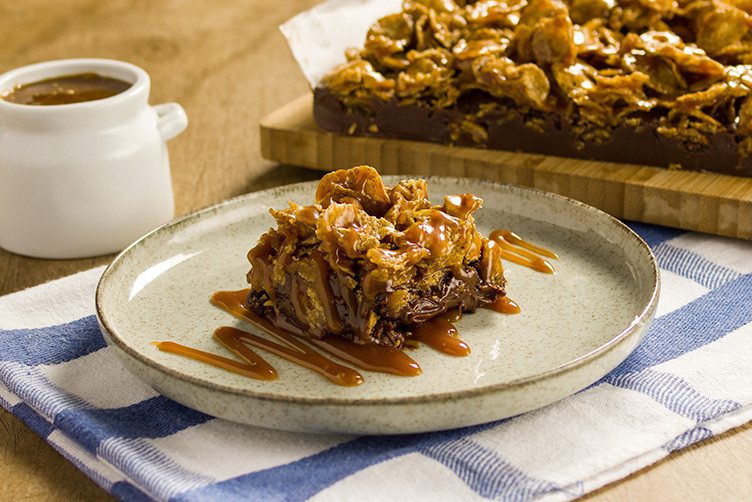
[[504, 305], [438, 332], [254, 366], [517, 250], [309, 358], [296, 351], [432, 234], [369, 356]]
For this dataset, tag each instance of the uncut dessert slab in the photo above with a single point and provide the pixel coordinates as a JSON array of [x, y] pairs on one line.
[[574, 328], [704, 202]]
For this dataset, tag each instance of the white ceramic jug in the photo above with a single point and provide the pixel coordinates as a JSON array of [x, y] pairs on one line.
[[89, 178]]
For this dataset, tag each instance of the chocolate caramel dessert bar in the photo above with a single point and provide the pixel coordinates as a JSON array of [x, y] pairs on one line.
[[657, 82], [368, 262]]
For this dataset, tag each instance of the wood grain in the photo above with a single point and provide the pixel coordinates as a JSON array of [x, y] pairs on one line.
[[703, 202], [227, 65]]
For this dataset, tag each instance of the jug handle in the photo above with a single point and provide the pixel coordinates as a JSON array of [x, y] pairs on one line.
[[171, 120]]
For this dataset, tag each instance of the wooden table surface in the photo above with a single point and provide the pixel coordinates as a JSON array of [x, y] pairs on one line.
[[227, 64]]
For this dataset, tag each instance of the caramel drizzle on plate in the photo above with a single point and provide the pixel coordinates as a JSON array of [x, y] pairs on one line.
[[517, 250], [438, 333], [504, 305], [254, 366]]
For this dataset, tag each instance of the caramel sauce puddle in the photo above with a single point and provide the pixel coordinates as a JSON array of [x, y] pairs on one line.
[[438, 333]]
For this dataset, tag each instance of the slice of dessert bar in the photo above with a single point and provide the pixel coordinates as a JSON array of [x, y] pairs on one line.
[[368, 262]]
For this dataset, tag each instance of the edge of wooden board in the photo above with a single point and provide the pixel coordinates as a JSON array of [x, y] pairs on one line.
[[703, 202]]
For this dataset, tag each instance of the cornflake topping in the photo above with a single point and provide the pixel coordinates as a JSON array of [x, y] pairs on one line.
[[604, 63]]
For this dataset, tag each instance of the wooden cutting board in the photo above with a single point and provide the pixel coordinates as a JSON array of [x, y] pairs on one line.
[[711, 203]]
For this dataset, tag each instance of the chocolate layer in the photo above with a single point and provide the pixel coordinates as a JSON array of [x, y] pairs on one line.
[[465, 292], [630, 145]]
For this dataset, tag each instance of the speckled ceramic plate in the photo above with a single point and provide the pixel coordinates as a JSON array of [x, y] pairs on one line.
[[574, 328]]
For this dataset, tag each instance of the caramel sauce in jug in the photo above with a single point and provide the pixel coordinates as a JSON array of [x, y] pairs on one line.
[[66, 90]]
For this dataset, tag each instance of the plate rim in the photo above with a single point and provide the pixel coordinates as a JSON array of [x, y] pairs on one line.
[[645, 315]]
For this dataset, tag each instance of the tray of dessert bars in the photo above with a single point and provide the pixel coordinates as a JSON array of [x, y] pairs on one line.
[[643, 113], [705, 202]]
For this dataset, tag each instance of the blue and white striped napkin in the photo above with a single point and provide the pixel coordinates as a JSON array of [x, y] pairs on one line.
[[690, 379]]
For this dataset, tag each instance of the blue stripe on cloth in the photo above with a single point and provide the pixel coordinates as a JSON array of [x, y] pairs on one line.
[[123, 490], [34, 420], [304, 478], [51, 345], [151, 418], [486, 472], [692, 326], [690, 437], [150, 468], [692, 266], [654, 235], [32, 386], [674, 393]]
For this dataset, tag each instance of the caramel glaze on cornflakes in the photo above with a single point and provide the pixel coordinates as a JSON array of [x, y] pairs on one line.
[[368, 261], [603, 63]]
